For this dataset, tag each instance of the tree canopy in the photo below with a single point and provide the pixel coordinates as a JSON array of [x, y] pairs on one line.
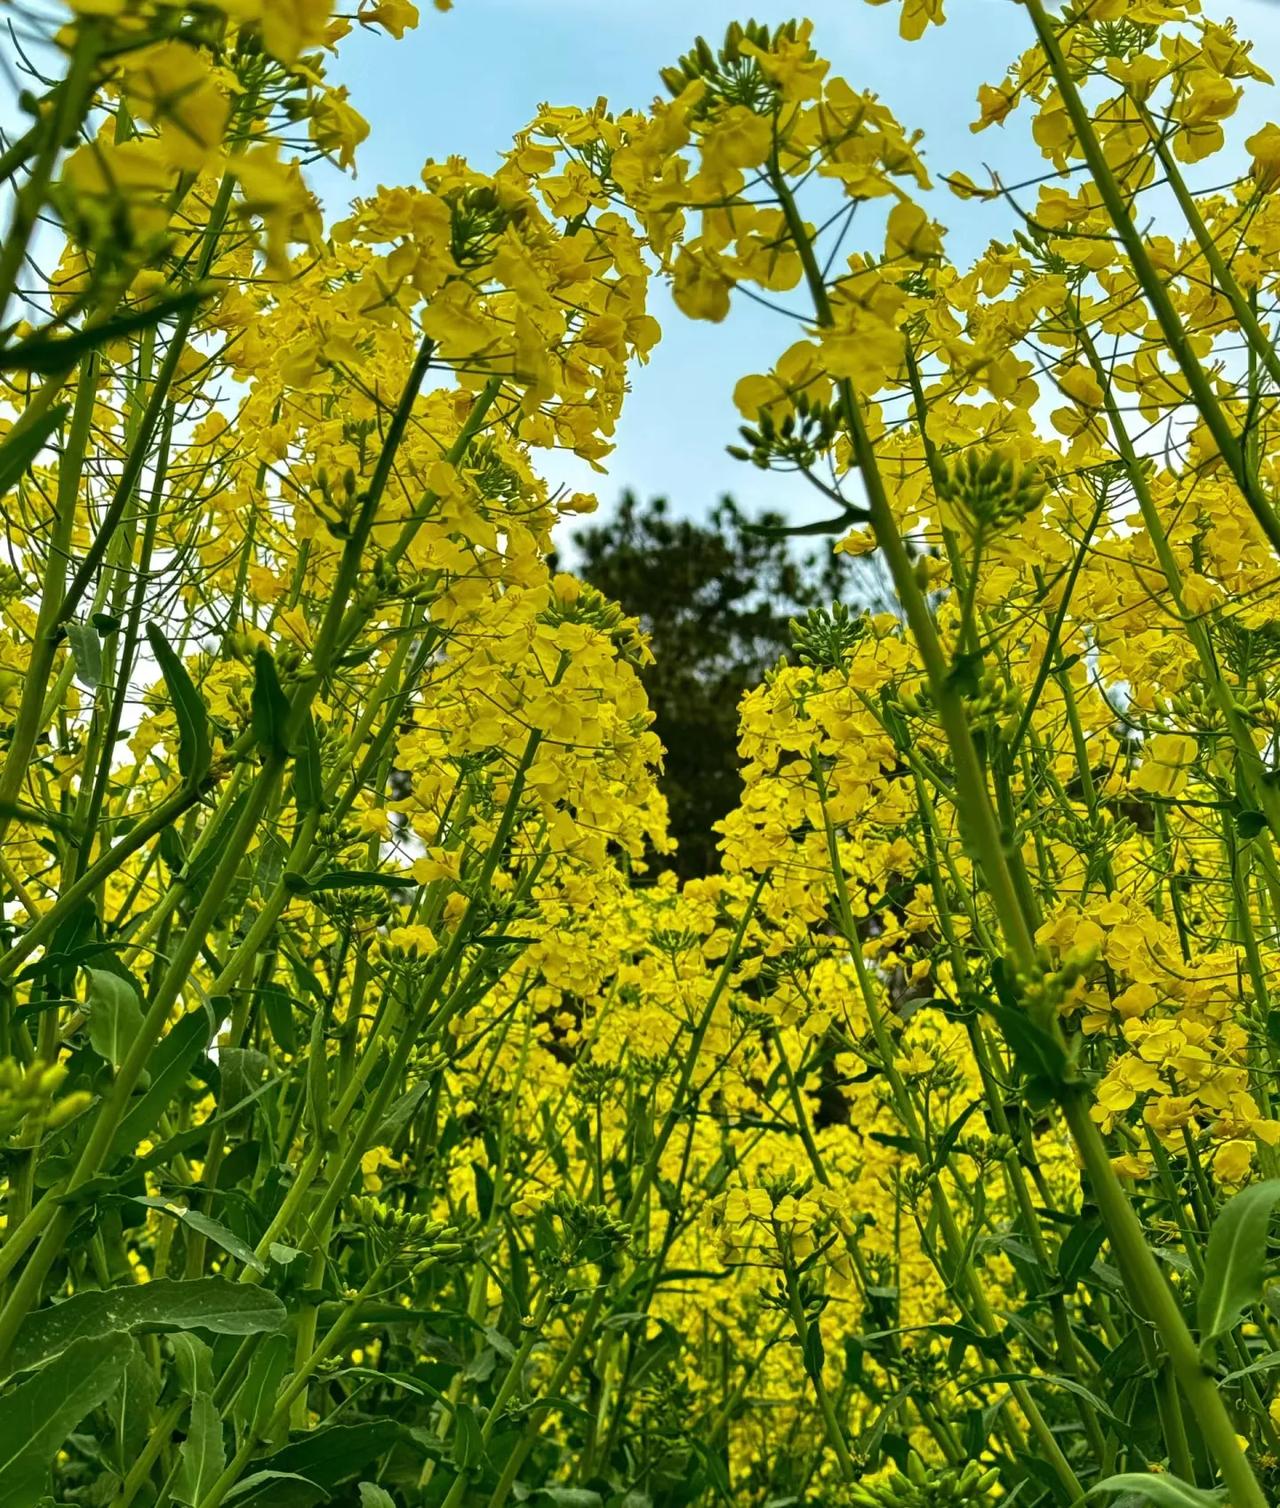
[[716, 597]]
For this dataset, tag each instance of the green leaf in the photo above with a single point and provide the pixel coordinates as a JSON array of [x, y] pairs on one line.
[[115, 1016], [43, 352], [1159, 1487], [373, 1496], [1235, 1262], [203, 1454], [942, 1151], [1080, 1248], [335, 1454], [277, 1007], [130, 1408], [195, 753], [275, 1489], [468, 1442], [193, 1362], [212, 1229], [213, 1304], [1037, 1053], [349, 879], [39, 1414], [270, 707], [86, 652], [966, 669], [308, 778], [1250, 823], [400, 1114], [1268, 1363], [23, 444], [1054, 1380], [161, 1155], [252, 1405], [168, 1065], [814, 1352]]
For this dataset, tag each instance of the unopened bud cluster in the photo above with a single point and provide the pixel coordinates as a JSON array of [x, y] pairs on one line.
[[826, 637], [921, 1486], [336, 500], [805, 434], [1046, 992], [731, 70], [994, 490], [418, 1236], [27, 1104], [995, 705]]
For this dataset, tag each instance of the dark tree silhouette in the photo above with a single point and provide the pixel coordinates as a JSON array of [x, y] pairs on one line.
[[716, 597]]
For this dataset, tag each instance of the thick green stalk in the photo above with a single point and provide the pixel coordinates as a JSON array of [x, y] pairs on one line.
[[1259, 345], [49, 616], [27, 1290], [801, 1324], [67, 109], [1260, 787], [587, 1322], [1177, 339], [977, 821], [1151, 1292]]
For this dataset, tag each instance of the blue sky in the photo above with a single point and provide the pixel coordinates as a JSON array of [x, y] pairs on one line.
[[466, 80]]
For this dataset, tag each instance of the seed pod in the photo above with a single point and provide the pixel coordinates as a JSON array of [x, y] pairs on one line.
[[318, 1079]]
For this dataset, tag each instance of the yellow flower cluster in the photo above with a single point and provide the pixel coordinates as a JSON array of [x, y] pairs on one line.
[[890, 1162]]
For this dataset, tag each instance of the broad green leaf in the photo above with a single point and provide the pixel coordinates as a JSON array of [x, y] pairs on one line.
[[308, 777], [270, 707], [1235, 1262], [86, 653], [130, 1408], [59, 353], [1268, 1363], [277, 1006], [373, 1496], [243, 1069], [275, 1489], [23, 444], [468, 1443], [213, 1304], [1161, 1488], [1080, 1248], [168, 1065], [195, 752], [115, 1016], [203, 1454], [349, 879], [193, 1362], [334, 1454], [202, 861], [39, 1414], [1036, 1051], [256, 1397], [212, 1229], [815, 1354], [400, 1114]]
